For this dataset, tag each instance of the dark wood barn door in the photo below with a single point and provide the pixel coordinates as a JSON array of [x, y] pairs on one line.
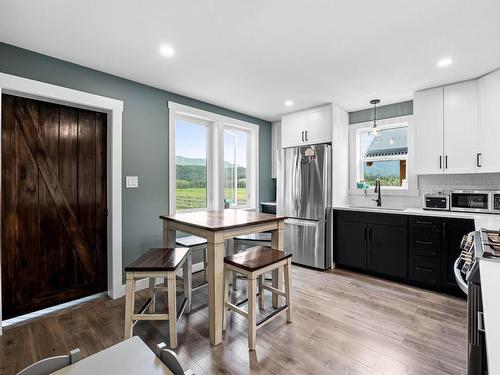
[[54, 245]]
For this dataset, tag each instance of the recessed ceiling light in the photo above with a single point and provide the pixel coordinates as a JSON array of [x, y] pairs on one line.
[[288, 103], [167, 50], [444, 62]]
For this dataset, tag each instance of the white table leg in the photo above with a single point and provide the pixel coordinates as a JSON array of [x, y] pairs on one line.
[[168, 235], [277, 242], [215, 254]]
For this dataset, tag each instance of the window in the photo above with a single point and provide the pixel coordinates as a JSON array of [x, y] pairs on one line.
[[213, 161], [235, 167], [190, 164], [386, 156]]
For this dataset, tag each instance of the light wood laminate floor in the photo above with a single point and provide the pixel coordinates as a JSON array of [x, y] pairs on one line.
[[344, 323]]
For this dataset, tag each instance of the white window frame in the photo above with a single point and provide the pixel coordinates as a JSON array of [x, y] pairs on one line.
[[215, 156], [250, 172], [355, 158]]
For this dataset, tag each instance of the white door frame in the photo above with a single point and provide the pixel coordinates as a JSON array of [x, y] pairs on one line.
[[10, 84]]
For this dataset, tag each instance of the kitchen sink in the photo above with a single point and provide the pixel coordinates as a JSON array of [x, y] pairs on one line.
[[379, 208]]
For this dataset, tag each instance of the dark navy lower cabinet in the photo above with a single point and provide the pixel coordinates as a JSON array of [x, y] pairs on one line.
[[418, 250]]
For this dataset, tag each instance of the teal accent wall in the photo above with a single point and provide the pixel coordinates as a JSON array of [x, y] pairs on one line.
[[145, 137], [384, 111]]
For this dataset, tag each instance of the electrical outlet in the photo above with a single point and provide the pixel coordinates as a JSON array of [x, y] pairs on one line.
[[132, 182]]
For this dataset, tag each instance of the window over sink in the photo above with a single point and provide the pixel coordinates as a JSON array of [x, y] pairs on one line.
[[386, 156]]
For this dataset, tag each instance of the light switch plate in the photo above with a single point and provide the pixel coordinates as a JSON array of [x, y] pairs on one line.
[[131, 182]]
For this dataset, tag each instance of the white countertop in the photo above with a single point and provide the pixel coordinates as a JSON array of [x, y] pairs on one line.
[[487, 221], [490, 280]]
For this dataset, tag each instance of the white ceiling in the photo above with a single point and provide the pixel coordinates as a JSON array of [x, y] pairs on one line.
[[250, 56]]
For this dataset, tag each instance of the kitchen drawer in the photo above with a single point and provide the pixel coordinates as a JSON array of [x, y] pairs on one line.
[[372, 218], [425, 241], [425, 270], [426, 222]]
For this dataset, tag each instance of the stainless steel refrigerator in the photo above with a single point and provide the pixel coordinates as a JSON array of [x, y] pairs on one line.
[[305, 197]]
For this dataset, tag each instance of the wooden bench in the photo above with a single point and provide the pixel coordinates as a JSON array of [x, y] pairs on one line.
[[254, 263], [158, 263]]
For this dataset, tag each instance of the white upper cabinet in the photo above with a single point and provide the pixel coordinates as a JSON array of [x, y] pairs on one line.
[[319, 125], [488, 149], [460, 127], [446, 129], [307, 127], [428, 109], [293, 127]]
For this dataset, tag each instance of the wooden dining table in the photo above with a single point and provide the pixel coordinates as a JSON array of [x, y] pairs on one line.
[[216, 227]]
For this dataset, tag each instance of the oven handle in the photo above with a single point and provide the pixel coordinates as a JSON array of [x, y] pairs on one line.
[[458, 276]]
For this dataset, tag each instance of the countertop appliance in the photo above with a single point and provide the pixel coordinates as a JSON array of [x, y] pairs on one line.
[[495, 202], [470, 201], [475, 245], [438, 202], [305, 197], [268, 207]]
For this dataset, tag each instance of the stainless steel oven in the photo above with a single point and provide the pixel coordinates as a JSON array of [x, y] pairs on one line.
[[469, 280], [470, 200]]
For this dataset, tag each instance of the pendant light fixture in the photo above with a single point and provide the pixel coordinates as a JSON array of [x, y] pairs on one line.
[[374, 130]]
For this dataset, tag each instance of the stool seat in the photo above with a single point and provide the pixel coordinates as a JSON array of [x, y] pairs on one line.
[[159, 259], [190, 241], [263, 236], [256, 258]]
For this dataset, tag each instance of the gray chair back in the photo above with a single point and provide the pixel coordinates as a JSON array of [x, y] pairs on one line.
[[170, 359], [49, 365]]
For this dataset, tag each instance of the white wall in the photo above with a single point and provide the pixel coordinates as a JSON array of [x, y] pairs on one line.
[[433, 184]]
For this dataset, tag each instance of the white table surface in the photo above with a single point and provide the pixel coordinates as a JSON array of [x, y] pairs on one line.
[[128, 357]]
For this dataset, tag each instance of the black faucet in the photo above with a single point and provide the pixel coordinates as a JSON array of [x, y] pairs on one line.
[[377, 190]]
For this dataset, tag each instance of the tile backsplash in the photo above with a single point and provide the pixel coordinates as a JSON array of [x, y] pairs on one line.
[[434, 184], [445, 183]]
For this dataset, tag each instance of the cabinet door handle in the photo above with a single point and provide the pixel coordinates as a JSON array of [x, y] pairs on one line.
[[440, 161], [444, 230], [478, 162], [423, 269], [302, 136], [423, 222], [423, 242], [446, 161], [306, 136]]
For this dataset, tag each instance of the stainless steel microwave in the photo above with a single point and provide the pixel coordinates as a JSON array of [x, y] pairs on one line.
[[437, 202], [470, 200]]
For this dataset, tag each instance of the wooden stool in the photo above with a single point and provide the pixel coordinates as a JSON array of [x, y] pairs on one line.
[[249, 240], [162, 263], [196, 245], [254, 263]]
